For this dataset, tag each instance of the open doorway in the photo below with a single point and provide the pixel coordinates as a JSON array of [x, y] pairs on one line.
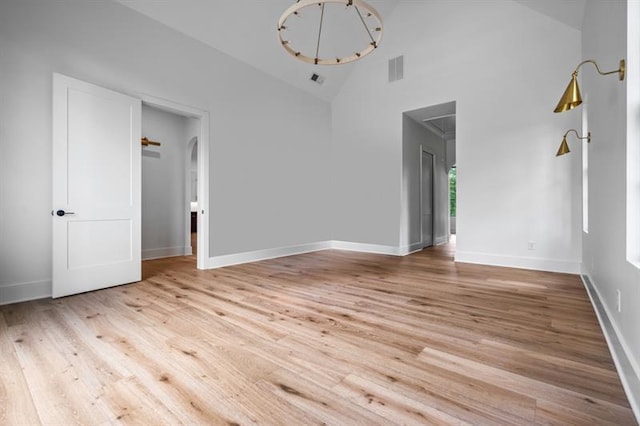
[[166, 197], [429, 145], [175, 181], [107, 153]]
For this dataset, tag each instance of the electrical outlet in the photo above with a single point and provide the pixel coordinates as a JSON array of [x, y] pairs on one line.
[[619, 300], [531, 245]]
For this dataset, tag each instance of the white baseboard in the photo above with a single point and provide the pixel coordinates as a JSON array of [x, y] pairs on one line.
[[550, 265], [371, 248], [412, 248], [23, 292], [254, 256], [30, 291], [626, 364], [257, 255], [159, 253], [441, 240]]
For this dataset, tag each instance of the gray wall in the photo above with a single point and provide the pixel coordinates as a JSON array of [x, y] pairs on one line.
[[270, 144], [505, 67], [605, 245]]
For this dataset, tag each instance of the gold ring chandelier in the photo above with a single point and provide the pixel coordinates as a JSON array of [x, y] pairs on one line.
[[296, 21]]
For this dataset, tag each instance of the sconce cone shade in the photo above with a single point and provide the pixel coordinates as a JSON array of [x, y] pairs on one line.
[[571, 97], [564, 147]]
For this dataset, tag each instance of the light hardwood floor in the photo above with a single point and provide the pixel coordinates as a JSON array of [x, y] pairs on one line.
[[330, 337]]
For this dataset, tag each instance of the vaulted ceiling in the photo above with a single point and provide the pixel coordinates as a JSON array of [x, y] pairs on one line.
[[246, 30]]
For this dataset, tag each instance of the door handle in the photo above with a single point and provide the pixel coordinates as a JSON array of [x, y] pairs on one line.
[[62, 213]]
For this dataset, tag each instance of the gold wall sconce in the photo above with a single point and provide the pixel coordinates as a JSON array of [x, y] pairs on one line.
[[571, 97], [564, 146]]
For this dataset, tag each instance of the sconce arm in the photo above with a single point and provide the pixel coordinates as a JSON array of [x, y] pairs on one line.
[[588, 137], [621, 70]]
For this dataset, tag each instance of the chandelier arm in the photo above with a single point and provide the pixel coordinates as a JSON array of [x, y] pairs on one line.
[[365, 26], [298, 54], [319, 34]]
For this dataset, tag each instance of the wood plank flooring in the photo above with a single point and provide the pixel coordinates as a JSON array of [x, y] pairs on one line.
[[331, 337]]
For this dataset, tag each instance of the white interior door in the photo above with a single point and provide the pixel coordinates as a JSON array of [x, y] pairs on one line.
[[426, 204], [96, 187]]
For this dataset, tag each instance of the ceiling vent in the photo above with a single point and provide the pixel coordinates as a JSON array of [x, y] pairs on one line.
[[396, 69], [316, 78]]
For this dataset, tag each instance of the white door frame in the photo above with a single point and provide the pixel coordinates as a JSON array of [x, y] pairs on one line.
[[203, 167], [433, 198]]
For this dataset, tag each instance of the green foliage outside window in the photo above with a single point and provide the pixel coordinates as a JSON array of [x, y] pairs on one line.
[[452, 191]]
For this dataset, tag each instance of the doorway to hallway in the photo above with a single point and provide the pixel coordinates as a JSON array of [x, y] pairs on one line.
[[429, 153]]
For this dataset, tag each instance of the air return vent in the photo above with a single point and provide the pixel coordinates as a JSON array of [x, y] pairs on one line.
[[396, 69]]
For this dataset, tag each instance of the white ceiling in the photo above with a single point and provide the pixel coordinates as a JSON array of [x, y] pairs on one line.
[[438, 119], [445, 127], [569, 12], [247, 31]]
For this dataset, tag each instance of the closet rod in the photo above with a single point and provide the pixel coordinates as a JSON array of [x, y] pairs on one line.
[[147, 142]]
